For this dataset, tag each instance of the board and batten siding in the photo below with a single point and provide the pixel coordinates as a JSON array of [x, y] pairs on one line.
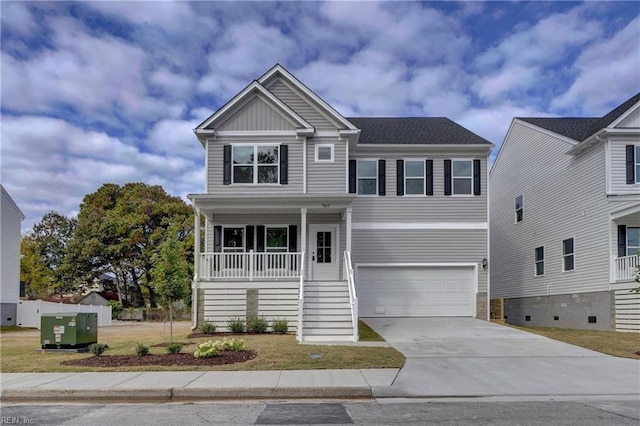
[[564, 197], [617, 166], [420, 246], [324, 177], [421, 208], [215, 166], [256, 115], [301, 106], [10, 245]]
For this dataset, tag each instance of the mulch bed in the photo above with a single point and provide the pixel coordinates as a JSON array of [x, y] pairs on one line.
[[225, 357]]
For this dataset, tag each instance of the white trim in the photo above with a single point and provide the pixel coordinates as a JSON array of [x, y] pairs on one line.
[[515, 216], [424, 176], [376, 161], [255, 133], [346, 172], [255, 165], [206, 166], [535, 262], [419, 225], [304, 165], [244, 237], [563, 255], [470, 160], [324, 145], [624, 115], [335, 249], [547, 132]]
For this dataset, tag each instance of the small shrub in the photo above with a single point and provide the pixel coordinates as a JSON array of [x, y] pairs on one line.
[[116, 309], [207, 349], [280, 326], [174, 348], [97, 349], [142, 350], [235, 345], [258, 325], [236, 325], [207, 328]]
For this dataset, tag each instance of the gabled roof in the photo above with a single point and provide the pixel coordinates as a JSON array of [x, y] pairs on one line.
[[12, 203], [414, 130], [581, 129]]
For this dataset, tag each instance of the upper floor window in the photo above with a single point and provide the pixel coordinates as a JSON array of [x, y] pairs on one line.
[[255, 164], [568, 256], [632, 163], [637, 163], [519, 208], [539, 261], [462, 177], [633, 241], [324, 153], [367, 177], [414, 177]]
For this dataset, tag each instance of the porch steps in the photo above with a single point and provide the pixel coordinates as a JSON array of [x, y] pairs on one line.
[[327, 312]]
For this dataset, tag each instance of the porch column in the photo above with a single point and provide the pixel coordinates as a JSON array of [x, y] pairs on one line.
[[196, 268], [303, 229], [348, 214]]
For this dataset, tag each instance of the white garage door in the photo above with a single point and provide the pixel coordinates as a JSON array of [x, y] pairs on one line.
[[418, 291]]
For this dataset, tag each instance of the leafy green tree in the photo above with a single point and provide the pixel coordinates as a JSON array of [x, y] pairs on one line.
[[33, 271]]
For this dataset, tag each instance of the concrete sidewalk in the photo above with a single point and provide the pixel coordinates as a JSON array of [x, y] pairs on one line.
[[192, 385]]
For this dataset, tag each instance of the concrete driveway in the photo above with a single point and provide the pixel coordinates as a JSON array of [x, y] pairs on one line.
[[448, 357]]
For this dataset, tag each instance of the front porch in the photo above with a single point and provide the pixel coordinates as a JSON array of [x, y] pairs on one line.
[[626, 237], [626, 268]]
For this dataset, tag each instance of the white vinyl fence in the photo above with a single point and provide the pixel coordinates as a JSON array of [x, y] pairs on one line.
[[29, 312]]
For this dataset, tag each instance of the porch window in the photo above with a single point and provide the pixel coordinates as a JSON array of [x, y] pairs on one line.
[[276, 239], [233, 240], [255, 164], [633, 241], [539, 261], [568, 256], [367, 177], [414, 177], [519, 208]]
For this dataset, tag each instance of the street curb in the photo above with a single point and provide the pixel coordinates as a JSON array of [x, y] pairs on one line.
[[181, 394]]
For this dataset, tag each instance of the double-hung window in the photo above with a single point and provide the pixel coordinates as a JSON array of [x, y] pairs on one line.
[[633, 241], [254, 164], [414, 176], [367, 177], [276, 239], [462, 176], [519, 208], [637, 163], [539, 261], [233, 239], [568, 255]]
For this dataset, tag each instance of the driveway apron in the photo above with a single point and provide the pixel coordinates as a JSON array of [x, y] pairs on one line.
[[448, 357]]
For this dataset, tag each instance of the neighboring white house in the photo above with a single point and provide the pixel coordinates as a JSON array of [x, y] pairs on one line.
[[320, 219], [10, 221], [565, 220]]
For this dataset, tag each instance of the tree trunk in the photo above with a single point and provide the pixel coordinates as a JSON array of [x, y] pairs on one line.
[[137, 297], [171, 323]]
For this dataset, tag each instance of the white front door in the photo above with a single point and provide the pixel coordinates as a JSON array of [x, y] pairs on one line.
[[323, 250]]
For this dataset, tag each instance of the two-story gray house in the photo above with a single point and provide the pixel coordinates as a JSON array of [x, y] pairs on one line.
[[320, 219], [11, 218], [565, 220]]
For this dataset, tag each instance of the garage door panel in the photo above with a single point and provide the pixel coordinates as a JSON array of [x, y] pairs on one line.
[[416, 291]]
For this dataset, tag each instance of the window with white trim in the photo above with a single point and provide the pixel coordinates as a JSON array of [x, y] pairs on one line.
[[367, 177], [324, 153], [254, 164], [414, 176], [519, 208], [539, 261], [568, 255], [633, 241], [233, 239], [276, 239], [462, 176]]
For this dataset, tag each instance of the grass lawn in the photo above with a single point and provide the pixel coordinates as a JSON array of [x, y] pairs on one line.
[[616, 343], [19, 351]]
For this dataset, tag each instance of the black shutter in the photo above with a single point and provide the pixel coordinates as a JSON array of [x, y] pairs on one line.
[[284, 164], [447, 177], [429, 173], [226, 165], [249, 237], [217, 239], [476, 177], [382, 181], [622, 240], [353, 184], [260, 238], [631, 176], [400, 177]]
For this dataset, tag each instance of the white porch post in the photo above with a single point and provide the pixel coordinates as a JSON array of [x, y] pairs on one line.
[[303, 230], [348, 229]]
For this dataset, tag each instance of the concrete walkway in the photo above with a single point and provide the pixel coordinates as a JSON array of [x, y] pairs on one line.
[[446, 358]]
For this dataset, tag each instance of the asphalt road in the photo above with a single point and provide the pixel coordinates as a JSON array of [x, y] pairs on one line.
[[382, 412]]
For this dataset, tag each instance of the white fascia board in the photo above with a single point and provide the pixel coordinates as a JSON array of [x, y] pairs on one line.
[[624, 116], [418, 225], [471, 149], [13, 203], [570, 141], [308, 92], [504, 141], [624, 212]]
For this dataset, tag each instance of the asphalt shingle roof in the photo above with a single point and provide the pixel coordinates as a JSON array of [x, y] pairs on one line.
[[580, 129], [413, 130]]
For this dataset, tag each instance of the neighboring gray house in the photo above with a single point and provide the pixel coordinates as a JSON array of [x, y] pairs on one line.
[[565, 220], [320, 219], [10, 221]]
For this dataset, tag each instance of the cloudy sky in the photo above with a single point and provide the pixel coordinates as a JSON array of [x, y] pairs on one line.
[[110, 91]]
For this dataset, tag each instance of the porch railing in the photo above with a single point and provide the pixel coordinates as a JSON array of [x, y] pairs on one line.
[[626, 267], [250, 266], [353, 297], [300, 300]]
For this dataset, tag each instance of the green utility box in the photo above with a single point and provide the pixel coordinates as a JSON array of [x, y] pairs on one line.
[[69, 330]]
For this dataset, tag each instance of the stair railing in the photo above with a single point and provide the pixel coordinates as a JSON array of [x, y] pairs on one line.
[[353, 298]]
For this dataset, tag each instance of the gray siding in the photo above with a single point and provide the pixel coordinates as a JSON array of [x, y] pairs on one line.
[[617, 161], [300, 105], [421, 246], [323, 178], [564, 197], [10, 256], [256, 115], [215, 172], [436, 208]]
